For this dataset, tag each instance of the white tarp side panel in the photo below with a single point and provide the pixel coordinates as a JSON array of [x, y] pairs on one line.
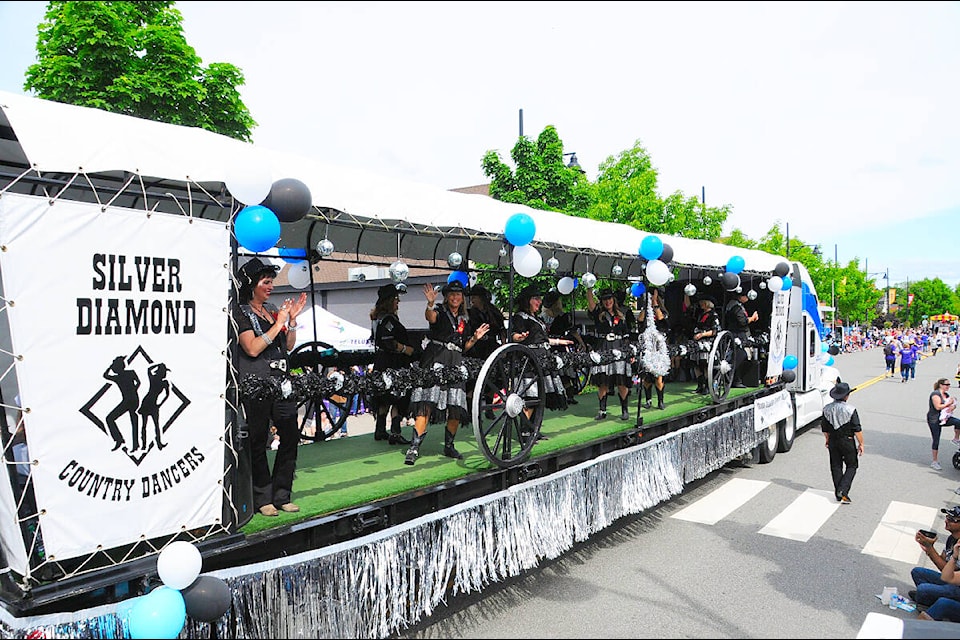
[[11, 537], [779, 322], [129, 335], [340, 334]]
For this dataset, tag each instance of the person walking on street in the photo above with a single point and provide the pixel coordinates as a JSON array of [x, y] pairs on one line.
[[844, 440], [939, 400]]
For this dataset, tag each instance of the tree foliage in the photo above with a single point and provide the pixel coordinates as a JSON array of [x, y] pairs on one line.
[[132, 58], [930, 297]]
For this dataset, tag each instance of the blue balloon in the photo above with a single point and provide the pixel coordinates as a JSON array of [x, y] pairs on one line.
[[637, 289], [824, 347], [790, 362], [293, 256], [520, 229], [159, 614], [735, 264], [651, 247], [830, 361], [462, 276], [257, 228], [787, 283]]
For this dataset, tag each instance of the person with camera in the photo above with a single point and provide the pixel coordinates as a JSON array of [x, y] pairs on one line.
[[931, 583], [840, 424]]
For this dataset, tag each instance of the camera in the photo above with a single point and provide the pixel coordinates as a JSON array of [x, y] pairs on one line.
[[929, 534]]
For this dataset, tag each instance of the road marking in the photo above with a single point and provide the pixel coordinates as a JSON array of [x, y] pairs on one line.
[[720, 503], [804, 516], [894, 536]]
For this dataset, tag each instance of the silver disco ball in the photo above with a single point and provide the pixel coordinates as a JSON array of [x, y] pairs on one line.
[[399, 271], [503, 251], [762, 285], [738, 289], [401, 287], [616, 270], [752, 295], [707, 281], [589, 280], [553, 264], [325, 248], [454, 259], [690, 290], [497, 282]]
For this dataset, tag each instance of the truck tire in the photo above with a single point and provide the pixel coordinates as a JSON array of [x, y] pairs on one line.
[[788, 431], [767, 449]]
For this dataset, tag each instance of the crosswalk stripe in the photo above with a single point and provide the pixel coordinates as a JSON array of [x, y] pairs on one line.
[[722, 502], [894, 536], [804, 516]]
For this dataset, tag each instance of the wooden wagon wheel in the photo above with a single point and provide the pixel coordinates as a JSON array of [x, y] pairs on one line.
[[510, 386], [330, 413], [720, 366]]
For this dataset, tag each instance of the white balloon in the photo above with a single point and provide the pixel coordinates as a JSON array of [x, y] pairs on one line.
[[527, 261], [658, 273], [299, 275], [249, 179], [775, 283], [565, 285], [179, 565]]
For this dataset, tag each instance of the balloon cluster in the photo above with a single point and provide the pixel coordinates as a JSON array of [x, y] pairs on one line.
[[257, 226], [163, 611], [657, 255]]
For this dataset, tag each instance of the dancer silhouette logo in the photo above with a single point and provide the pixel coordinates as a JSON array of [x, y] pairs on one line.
[[137, 405]]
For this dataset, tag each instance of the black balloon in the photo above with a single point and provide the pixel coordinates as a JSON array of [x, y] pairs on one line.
[[207, 598], [789, 375], [730, 280], [834, 350], [782, 269], [290, 199], [667, 254]]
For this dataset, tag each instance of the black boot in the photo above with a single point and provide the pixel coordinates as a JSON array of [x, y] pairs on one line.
[[648, 392], [701, 384], [414, 451], [602, 414], [660, 398], [448, 449], [396, 436], [625, 408], [380, 427]]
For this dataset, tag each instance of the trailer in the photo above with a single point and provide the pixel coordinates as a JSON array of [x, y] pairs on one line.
[[118, 247]]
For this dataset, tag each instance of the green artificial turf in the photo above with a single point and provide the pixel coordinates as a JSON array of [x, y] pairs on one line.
[[348, 472]]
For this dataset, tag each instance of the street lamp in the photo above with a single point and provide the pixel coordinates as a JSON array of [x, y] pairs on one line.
[[886, 289], [574, 163]]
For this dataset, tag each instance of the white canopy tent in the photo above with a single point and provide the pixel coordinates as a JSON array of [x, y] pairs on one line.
[[340, 334]]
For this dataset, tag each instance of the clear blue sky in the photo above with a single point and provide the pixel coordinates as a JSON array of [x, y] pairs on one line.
[[839, 119]]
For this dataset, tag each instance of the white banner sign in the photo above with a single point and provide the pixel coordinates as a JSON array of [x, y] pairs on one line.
[[769, 410], [119, 318], [778, 334]]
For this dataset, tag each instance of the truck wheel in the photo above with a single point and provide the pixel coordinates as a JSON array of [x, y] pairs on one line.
[[768, 448], [788, 431]]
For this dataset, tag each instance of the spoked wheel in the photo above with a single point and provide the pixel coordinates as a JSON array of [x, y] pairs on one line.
[[319, 420], [720, 366], [510, 382], [583, 377]]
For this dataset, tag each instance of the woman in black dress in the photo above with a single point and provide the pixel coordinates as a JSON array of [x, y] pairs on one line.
[[392, 351], [560, 325], [449, 338], [613, 327], [705, 328]]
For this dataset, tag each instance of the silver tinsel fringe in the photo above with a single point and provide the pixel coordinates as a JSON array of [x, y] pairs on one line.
[[375, 585]]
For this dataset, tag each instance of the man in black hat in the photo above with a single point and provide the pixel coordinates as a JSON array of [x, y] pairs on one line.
[[930, 585], [840, 424]]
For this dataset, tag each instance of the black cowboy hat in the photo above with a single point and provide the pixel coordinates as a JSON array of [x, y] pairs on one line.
[[250, 271], [530, 291], [708, 298], [453, 286], [606, 293], [841, 391], [551, 298], [387, 291], [481, 291]]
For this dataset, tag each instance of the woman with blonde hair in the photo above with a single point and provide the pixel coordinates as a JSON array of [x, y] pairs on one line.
[[613, 326]]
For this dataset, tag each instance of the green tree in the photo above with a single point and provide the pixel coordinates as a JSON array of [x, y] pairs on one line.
[[132, 58], [626, 192], [930, 297], [541, 179]]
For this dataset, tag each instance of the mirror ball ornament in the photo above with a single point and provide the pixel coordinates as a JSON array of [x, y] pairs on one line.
[[325, 248], [454, 259], [503, 251], [497, 282], [617, 270], [401, 287], [690, 290], [751, 295], [399, 271], [762, 285], [589, 280], [707, 281], [739, 290], [553, 264]]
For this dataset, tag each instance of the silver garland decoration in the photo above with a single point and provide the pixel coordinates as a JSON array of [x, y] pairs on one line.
[[379, 584], [656, 355]]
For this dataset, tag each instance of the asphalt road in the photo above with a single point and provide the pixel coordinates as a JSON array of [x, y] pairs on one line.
[[655, 576]]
